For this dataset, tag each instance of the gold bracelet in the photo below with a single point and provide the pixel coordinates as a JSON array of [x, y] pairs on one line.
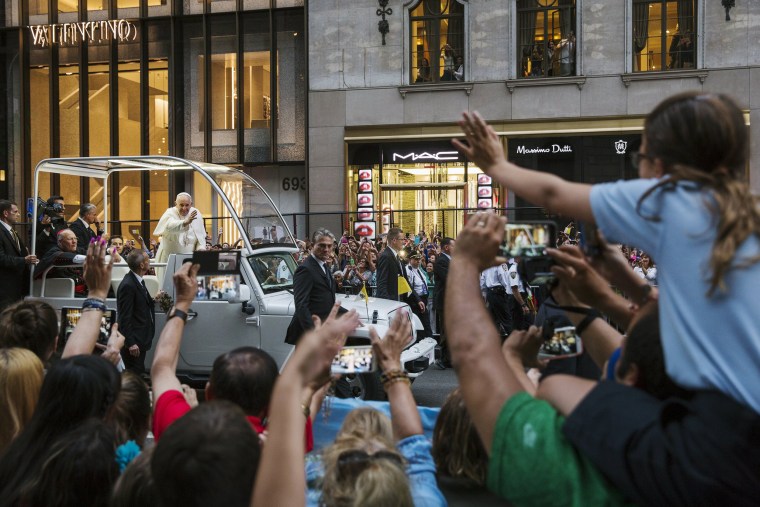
[[405, 380], [389, 375]]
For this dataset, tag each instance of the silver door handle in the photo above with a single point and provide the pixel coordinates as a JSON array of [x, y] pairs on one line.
[[252, 321]]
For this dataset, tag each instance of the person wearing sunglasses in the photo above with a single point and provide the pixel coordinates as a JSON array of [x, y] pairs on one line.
[[373, 461]]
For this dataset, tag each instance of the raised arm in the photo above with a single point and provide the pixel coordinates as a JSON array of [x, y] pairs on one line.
[[473, 339], [164, 370], [404, 415], [97, 276], [484, 148], [280, 479]]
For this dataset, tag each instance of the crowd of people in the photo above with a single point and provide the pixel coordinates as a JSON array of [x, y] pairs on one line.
[[674, 418]]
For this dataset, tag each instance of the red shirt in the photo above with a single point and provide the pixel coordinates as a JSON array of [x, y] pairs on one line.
[[172, 405]]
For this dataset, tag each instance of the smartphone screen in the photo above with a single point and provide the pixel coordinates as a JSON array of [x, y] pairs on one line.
[[529, 239], [135, 232], [565, 342], [70, 317], [218, 276], [353, 360], [590, 239]]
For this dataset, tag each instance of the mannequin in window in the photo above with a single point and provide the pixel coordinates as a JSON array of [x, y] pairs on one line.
[[447, 53], [423, 72], [459, 73]]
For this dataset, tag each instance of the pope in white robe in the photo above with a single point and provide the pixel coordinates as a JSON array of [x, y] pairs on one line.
[[182, 231]]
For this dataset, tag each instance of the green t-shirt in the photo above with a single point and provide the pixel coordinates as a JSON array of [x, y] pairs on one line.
[[532, 463]]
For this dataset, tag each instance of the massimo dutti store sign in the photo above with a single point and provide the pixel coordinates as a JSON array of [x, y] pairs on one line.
[[69, 34]]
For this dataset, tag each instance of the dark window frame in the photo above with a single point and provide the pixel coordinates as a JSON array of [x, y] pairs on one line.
[[677, 52], [433, 20], [532, 54]]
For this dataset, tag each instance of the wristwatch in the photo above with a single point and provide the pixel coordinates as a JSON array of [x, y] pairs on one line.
[[174, 312]]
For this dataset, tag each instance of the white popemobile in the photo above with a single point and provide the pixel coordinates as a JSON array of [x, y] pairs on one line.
[[259, 315]]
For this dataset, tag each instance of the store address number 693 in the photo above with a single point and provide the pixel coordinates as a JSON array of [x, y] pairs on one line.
[[294, 183]]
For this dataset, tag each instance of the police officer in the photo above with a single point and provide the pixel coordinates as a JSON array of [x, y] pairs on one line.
[[497, 287], [419, 283], [522, 312]]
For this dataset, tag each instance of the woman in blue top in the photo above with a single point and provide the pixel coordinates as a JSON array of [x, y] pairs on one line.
[[693, 212]]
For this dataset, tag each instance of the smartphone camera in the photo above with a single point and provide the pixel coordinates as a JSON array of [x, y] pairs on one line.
[[559, 342], [590, 242], [529, 241], [70, 318], [354, 360]]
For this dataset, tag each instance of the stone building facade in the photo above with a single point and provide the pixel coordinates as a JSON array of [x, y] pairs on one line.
[[374, 106]]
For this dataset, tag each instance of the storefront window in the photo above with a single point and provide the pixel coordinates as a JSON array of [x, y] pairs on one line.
[[39, 114], [97, 5], [159, 196], [130, 200], [158, 103], [546, 38], [417, 186], [68, 5], [437, 41], [38, 7], [223, 83], [70, 189], [291, 87], [68, 110], [129, 108], [257, 88], [99, 111], [663, 35]]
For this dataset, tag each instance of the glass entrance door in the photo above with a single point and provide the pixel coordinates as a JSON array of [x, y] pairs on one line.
[[427, 197]]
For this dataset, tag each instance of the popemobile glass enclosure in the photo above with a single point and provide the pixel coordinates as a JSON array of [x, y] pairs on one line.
[[235, 208]]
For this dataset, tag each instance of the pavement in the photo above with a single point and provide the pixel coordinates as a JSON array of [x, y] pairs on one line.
[[432, 387]]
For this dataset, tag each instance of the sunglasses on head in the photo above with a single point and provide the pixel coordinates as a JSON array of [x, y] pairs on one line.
[[354, 462]]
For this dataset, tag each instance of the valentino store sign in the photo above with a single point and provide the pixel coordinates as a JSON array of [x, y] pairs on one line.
[[67, 34]]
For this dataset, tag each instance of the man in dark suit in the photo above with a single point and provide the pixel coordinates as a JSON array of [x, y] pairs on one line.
[[88, 215], [389, 268], [14, 257], [64, 253], [441, 272], [50, 225], [135, 312], [313, 287]]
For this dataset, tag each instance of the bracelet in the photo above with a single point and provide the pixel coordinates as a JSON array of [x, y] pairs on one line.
[[94, 303], [92, 298], [306, 410], [388, 376], [392, 381], [587, 320]]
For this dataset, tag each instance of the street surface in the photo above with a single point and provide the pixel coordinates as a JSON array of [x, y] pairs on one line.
[[431, 388]]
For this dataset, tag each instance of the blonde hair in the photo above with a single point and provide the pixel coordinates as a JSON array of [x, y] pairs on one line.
[[367, 423], [21, 376], [382, 483]]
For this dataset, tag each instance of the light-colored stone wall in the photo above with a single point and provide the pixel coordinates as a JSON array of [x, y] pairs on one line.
[[356, 81]]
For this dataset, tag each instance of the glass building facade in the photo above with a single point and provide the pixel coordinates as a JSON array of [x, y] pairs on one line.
[[222, 81]]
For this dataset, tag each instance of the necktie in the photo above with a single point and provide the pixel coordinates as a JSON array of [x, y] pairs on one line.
[[15, 238], [147, 295], [327, 274]]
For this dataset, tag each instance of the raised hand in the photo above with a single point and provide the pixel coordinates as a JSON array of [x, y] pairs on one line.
[[388, 349], [97, 272]]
